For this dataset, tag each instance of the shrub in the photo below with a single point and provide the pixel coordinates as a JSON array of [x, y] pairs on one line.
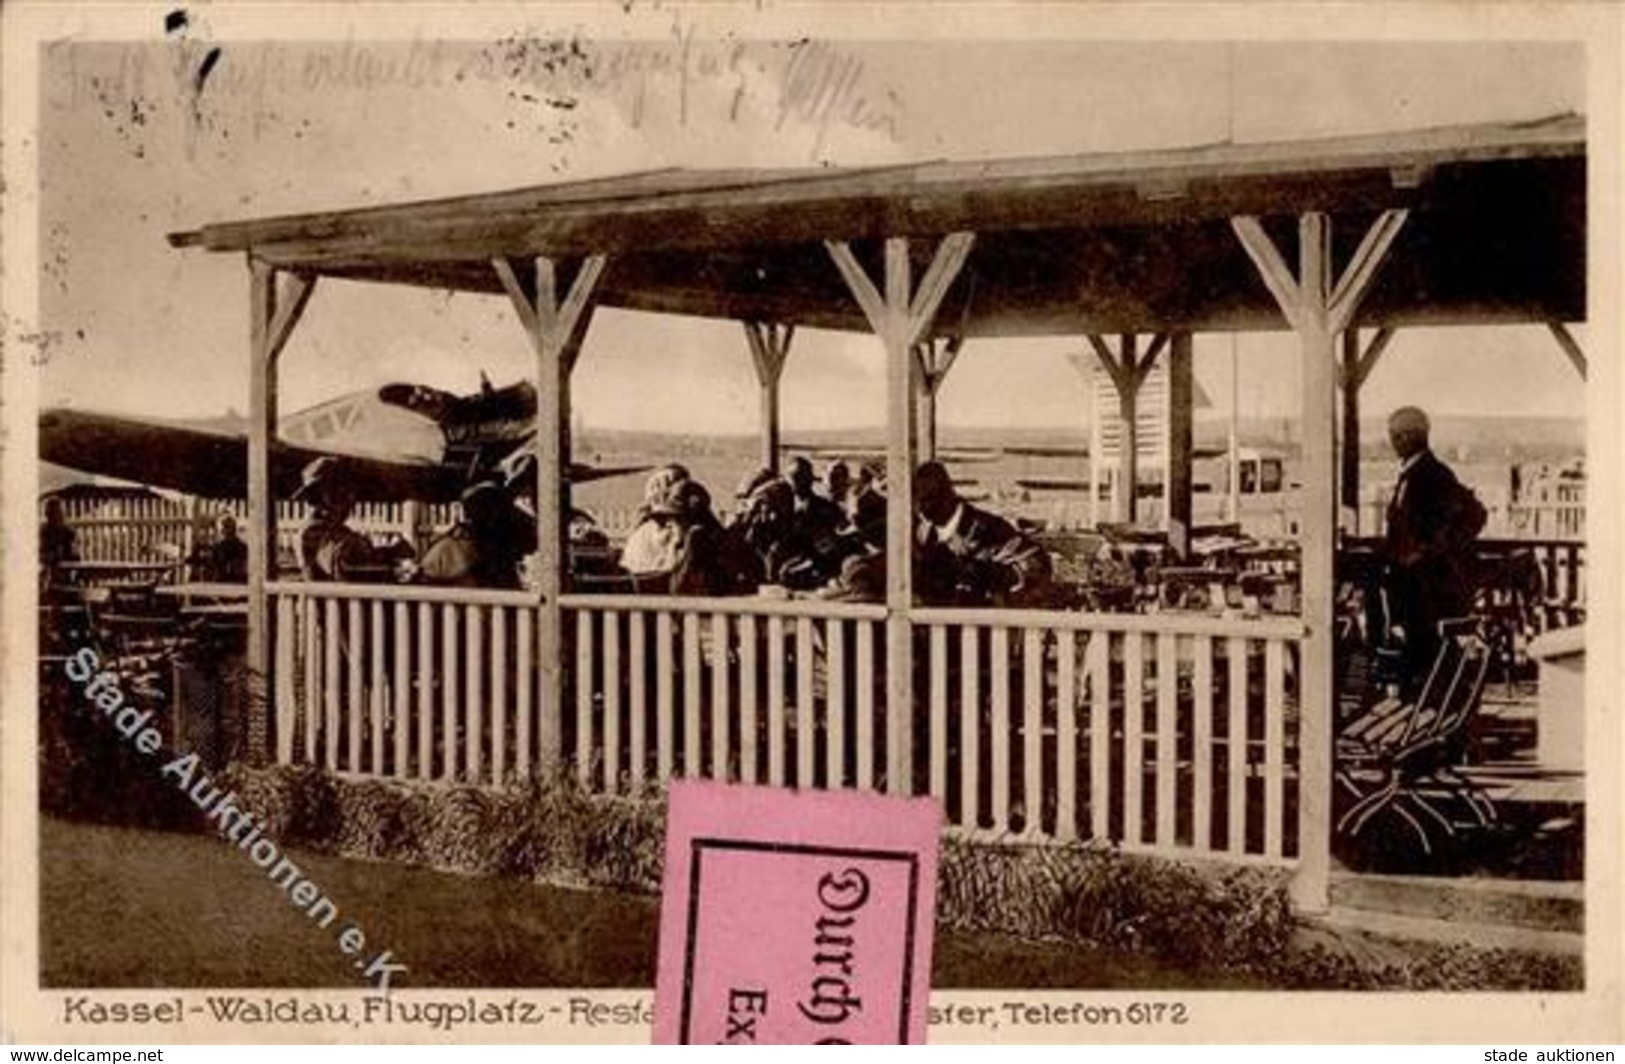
[[1205, 916], [1213, 917]]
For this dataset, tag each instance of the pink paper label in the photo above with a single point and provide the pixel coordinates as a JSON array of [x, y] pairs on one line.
[[795, 918]]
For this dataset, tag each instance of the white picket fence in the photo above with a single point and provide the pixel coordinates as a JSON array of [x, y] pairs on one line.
[[144, 529], [406, 682], [1168, 733]]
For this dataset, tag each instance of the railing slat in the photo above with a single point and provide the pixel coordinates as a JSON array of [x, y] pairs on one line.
[[1133, 738], [473, 693], [720, 708], [938, 662], [525, 679], [998, 670], [749, 715], [1066, 736], [499, 695], [1236, 816], [639, 709], [1202, 738], [331, 665], [775, 701], [970, 727], [426, 677], [866, 705], [1032, 729], [355, 641], [1274, 745], [805, 721], [377, 691], [612, 701], [401, 708], [287, 705], [311, 644], [665, 702], [1098, 677], [585, 677], [1167, 729], [450, 667], [835, 702], [692, 766]]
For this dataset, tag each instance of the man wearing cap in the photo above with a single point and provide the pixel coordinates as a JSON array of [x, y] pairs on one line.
[[329, 549], [971, 557], [1433, 520]]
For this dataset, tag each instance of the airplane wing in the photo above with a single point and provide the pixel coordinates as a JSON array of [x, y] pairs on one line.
[[214, 464]]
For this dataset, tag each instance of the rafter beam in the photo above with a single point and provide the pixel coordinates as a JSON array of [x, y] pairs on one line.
[[292, 297], [946, 263], [868, 297], [1571, 346], [1356, 280]]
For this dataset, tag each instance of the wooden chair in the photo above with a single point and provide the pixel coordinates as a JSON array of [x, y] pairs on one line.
[[1405, 757]]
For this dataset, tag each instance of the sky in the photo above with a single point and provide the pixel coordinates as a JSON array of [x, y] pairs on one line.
[[131, 150]]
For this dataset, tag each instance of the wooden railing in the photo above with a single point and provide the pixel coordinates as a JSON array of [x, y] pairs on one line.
[[1170, 733], [1167, 733], [753, 690], [406, 682]]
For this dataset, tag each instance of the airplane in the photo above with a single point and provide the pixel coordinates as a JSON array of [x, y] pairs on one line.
[[400, 441]]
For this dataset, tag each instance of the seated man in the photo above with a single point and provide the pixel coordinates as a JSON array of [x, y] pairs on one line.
[[714, 560], [969, 557], [485, 548], [226, 559], [818, 516], [329, 549]]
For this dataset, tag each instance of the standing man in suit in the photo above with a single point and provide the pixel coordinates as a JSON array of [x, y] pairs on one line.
[[1433, 521]]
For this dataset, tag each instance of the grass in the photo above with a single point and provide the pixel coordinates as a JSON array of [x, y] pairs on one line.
[[123, 907]]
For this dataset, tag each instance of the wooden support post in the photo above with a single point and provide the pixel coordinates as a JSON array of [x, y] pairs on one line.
[[1319, 306], [1128, 438], [1181, 400], [1128, 370], [274, 309], [1357, 365], [556, 328], [934, 358], [901, 317], [769, 349], [1349, 472], [1080, 362]]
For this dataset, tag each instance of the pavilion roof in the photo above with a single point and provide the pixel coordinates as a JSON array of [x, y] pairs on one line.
[[1069, 244]]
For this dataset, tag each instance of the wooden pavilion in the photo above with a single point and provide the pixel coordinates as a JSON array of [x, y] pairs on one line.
[[1335, 239]]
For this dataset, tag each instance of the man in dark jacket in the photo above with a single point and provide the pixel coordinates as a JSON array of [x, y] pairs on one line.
[[969, 557], [1433, 520]]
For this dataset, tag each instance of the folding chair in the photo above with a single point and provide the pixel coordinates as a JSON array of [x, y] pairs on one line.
[[1404, 757]]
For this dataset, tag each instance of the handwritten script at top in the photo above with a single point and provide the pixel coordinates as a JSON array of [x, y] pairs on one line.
[[814, 88]]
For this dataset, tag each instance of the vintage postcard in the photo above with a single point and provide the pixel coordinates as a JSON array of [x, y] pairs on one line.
[[1177, 445]]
